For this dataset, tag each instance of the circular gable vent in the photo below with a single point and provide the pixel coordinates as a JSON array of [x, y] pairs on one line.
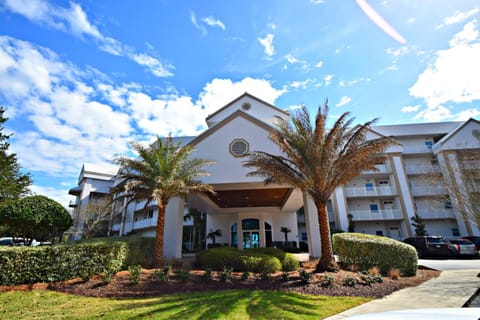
[[239, 147]]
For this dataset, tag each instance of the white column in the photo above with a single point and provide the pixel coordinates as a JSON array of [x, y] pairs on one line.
[[404, 191], [341, 206], [313, 230], [172, 242]]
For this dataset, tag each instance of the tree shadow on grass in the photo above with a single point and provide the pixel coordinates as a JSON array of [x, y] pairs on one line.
[[257, 304]]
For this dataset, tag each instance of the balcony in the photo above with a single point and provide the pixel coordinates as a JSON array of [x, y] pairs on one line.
[[381, 168], [417, 149], [368, 215], [116, 227], [73, 203], [422, 169], [436, 214], [370, 191], [428, 190], [145, 223]]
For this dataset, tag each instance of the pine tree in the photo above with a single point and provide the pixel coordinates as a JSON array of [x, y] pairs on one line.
[[419, 226], [13, 183]]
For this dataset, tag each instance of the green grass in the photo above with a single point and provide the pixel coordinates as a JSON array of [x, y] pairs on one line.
[[228, 304]]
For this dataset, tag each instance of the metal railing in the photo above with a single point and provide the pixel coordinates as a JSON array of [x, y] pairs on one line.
[[369, 191], [381, 214]]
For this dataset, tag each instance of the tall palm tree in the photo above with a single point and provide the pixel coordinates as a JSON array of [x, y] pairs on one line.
[[161, 173], [317, 161]]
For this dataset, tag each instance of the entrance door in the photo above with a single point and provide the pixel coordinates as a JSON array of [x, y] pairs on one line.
[[251, 239]]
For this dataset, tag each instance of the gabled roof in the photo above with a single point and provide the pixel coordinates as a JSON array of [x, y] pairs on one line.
[[453, 133], [222, 123], [246, 94]]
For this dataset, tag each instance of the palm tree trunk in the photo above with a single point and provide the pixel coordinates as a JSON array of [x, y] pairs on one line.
[[327, 260], [160, 229]]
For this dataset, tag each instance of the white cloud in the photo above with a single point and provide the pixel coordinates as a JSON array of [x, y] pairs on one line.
[[343, 101], [212, 22], [267, 44], [453, 75], [317, 1], [59, 195], [319, 64], [457, 17], [411, 108], [349, 83], [75, 21], [328, 79], [468, 34]]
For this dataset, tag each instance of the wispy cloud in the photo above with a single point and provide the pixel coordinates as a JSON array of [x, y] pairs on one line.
[[409, 109], [328, 79], [343, 101], [204, 22], [457, 17], [349, 83], [74, 20], [267, 44]]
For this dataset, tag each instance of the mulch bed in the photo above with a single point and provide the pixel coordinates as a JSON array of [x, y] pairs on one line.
[[120, 286]]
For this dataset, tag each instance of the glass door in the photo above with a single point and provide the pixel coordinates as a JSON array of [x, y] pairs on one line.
[[251, 239]]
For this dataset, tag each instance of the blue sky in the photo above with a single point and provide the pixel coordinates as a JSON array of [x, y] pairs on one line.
[[80, 79]]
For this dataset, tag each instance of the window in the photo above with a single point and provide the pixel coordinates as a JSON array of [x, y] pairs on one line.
[[447, 204], [428, 144], [150, 213], [239, 147], [455, 232], [369, 186], [374, 208], [383, 182], [304, 236], [250, 224]]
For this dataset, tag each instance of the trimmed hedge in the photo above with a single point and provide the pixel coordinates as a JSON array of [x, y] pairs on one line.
[[261, 260], [367, 251], [21, 265]]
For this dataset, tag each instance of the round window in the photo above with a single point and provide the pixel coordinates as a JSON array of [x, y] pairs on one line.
[[239, 147], [246, 106]]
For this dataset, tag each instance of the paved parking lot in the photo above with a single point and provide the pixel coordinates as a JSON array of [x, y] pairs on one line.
[[451, 264]]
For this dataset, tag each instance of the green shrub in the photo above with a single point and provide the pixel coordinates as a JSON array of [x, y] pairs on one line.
[[290, 263], [248, 260], [60, 262], [367, 251], [135, 272], [305, 277], [159, 275]]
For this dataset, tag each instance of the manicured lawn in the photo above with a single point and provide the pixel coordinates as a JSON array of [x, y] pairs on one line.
[[228, 304]]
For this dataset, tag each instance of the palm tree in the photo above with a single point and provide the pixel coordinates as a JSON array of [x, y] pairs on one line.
[[285, 231], [317, 161], [214, 234], [198, 227], [161, 173]]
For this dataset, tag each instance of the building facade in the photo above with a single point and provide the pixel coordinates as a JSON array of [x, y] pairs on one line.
[[250, 214]]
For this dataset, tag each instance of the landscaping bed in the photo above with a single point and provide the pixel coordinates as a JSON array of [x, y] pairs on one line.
[[120, 285]]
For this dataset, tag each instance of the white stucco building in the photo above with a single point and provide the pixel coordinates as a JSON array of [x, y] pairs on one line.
[[250, 214]]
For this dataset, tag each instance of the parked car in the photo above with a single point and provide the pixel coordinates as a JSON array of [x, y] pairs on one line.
[[429, 246], [462, 247], [10, 241], [475, 240]]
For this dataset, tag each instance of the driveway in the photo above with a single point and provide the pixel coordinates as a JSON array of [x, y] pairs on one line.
[[450, 264]]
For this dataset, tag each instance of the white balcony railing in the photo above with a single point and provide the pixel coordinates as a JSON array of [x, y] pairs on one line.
[[145, 223], [417, 149], [116, 227], [73, 203], [436, 214], [369, 191], [368, 215], [422, 169], [381, 168], [428, 190]]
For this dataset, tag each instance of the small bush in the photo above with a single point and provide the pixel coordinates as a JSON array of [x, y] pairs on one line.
[[349, 281], [226, 274], [107, 276], [305, 277], [159, 275], [245, 275], [373, 271], [183, 274], [285, 276], [368, 251], [134, 276], [394, 274], [290, 263], [327, 280], [207, 276]]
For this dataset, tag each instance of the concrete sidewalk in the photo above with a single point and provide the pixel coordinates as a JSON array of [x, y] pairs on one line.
[[451, 289]]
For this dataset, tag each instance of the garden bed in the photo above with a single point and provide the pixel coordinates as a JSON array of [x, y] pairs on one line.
[[120, 285]]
